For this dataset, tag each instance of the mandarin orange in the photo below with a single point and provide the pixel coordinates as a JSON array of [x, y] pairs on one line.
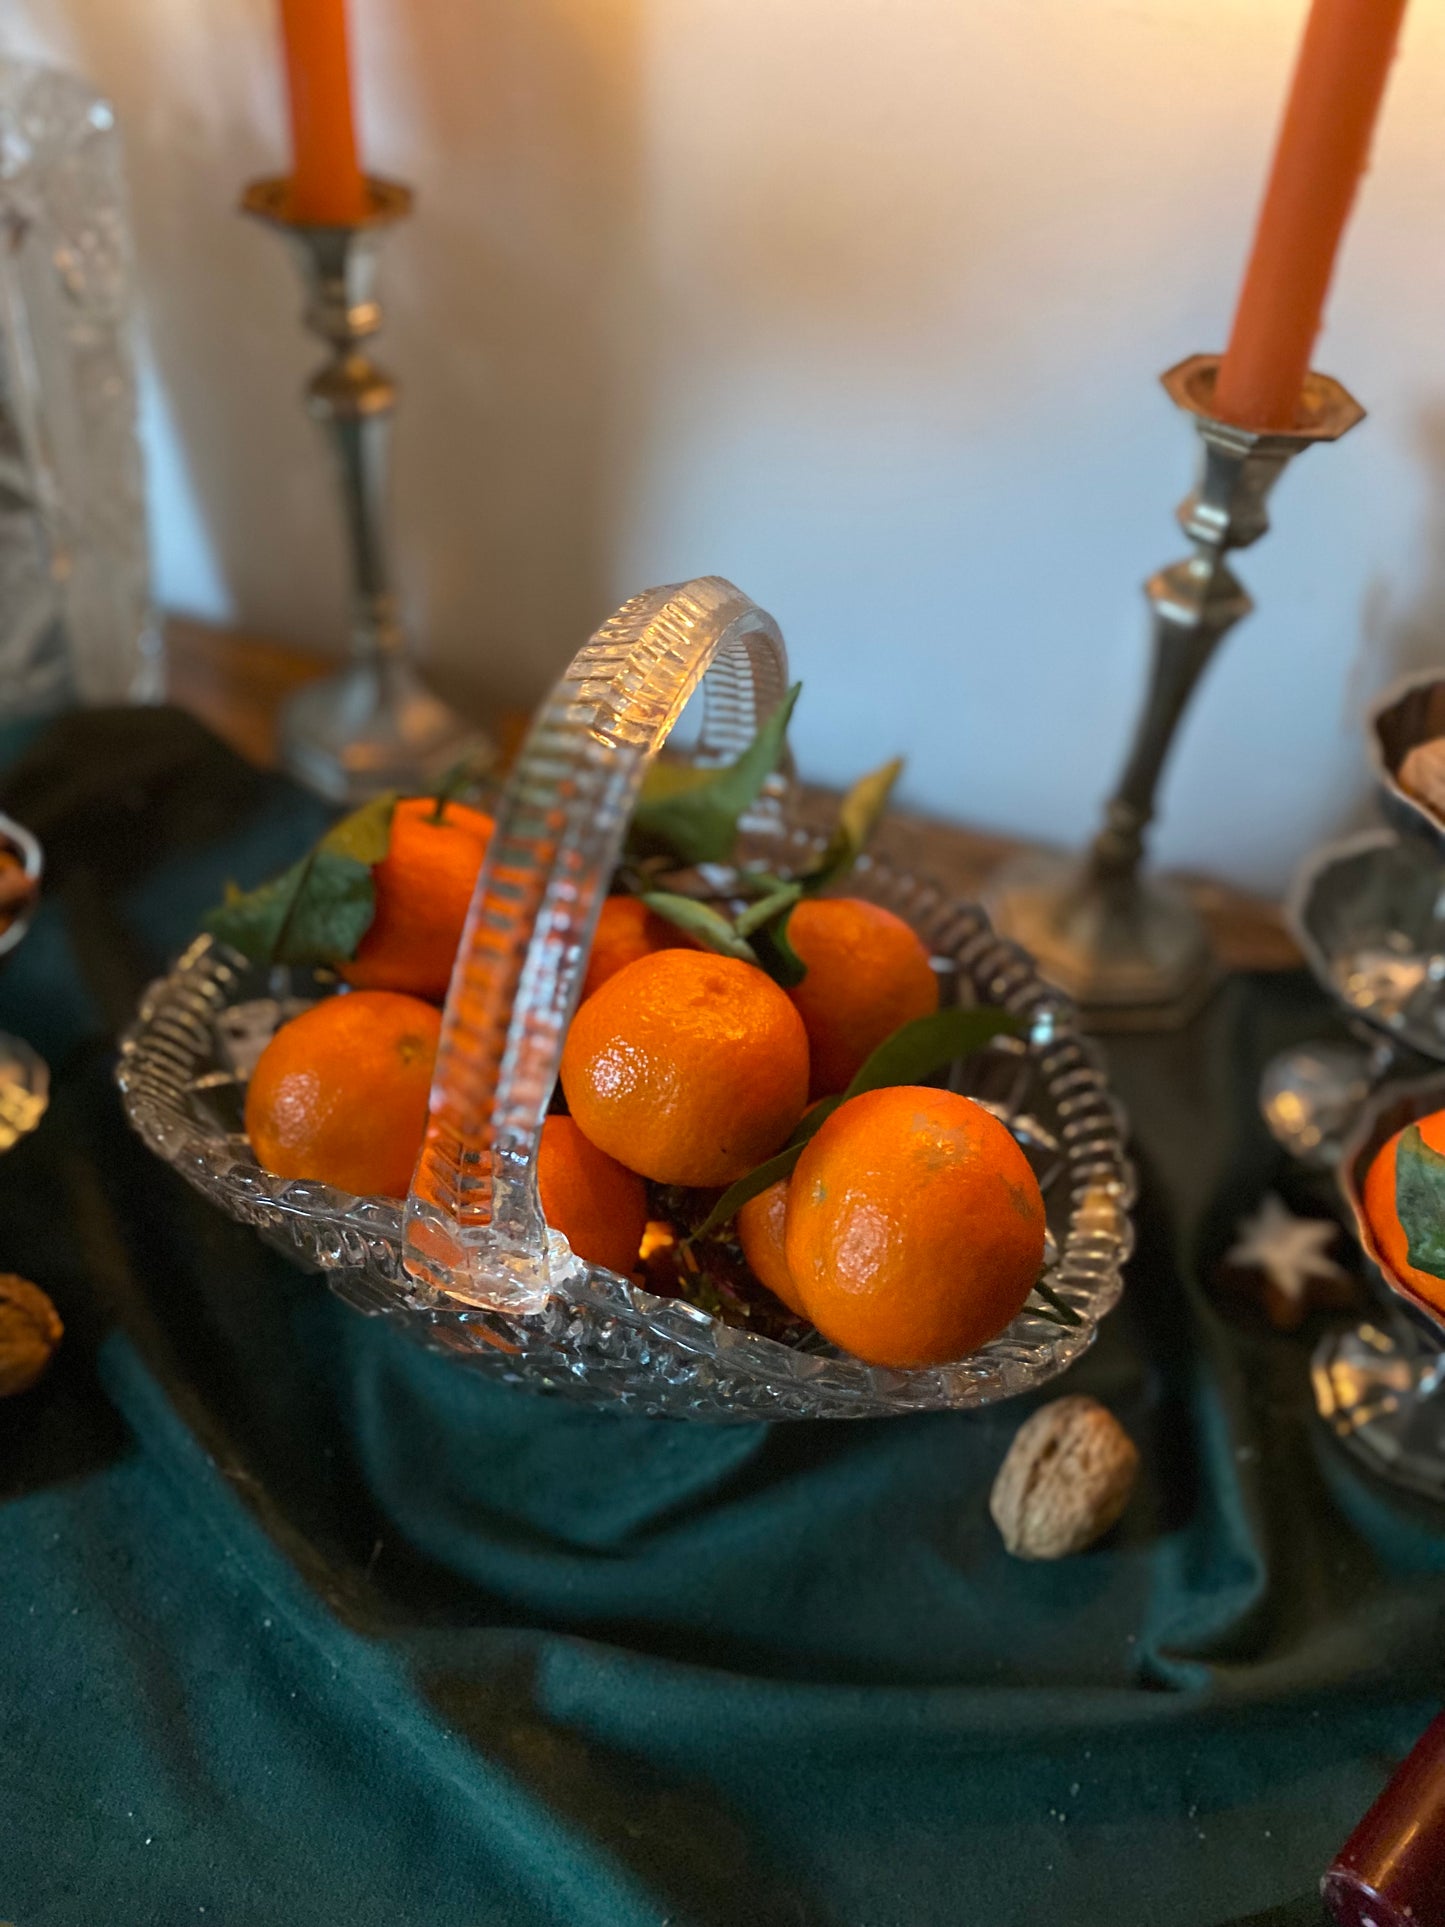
[[868, 972], [1378, 1200], [915, 1227], [423, 888], [686, 1067], [340, 1093], [627, 930], [762, 1227], [598, 1205]]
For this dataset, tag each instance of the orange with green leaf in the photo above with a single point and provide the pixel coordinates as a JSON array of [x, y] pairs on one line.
[[1404, 1205], [914, 1227], [422, 887]]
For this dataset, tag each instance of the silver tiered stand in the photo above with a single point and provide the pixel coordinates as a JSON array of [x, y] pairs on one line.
[[1370, 916], [1380, 1384]]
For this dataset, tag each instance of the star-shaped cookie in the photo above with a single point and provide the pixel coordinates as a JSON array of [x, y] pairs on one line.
[[1290, 1265]]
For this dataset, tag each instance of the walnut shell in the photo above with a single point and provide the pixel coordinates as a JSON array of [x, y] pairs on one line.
[[30, 1330], [1067, 1477], [1422, 775]]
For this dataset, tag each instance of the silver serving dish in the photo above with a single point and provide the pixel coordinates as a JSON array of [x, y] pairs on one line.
[[1369, 915], [1409, 713], [1380, 1385]]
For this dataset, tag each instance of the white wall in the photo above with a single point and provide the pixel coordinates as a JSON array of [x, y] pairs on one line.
[[859, 302]]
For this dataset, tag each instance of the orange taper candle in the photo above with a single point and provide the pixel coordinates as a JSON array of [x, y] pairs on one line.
[[326, 182], [1323, 147]]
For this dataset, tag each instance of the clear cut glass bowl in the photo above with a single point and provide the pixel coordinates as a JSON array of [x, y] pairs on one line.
[[465, 1263]]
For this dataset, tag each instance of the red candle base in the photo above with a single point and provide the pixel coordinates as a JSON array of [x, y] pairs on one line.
[[327, 189], [1391, 1870]]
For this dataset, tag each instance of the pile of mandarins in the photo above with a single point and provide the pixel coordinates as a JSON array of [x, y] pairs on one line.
[[909, 1231]]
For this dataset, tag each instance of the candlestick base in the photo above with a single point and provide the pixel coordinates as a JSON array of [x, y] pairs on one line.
[[1131, 951], [374, 727]]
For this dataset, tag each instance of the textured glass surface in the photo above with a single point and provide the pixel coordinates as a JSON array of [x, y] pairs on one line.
[[75, 615], [473, 1227], [467, 1263]]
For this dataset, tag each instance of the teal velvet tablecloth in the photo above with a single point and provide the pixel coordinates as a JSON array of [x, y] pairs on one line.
[[298, 1623]]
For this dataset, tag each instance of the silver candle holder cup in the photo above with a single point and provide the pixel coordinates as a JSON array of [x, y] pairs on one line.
[[374, 725], [1130, 948]]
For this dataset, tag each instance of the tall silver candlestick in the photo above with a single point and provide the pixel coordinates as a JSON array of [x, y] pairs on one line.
[[375, 725], [1132, 949]]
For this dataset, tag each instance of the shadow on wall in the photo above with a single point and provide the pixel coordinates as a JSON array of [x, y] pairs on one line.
[[1400, 641], [1401, 636], [518, 127]]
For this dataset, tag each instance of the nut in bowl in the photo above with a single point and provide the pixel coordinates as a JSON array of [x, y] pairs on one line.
[[1407, 749], [689, 1071]]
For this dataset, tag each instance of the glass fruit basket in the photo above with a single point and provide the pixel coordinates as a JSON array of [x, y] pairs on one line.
[[465, 1262]]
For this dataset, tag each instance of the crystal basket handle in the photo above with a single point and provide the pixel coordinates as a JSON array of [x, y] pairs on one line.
[[474, 1228]]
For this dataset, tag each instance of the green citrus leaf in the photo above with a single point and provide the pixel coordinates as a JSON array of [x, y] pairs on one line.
[[365, 835], [700, 920], [693, 814], [918, 1049], [315, 913], [814, 1118], [915, 1051], [318, 911], [464, 775], [777, 955], [665, 779], [761, 883], [858, 817], [768, 907], [779, 1166], [758, 1179], [1420, 1201]]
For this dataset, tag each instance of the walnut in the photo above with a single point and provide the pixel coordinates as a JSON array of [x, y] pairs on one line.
[[1065, 1481], [30, 1330], [1422, 775]]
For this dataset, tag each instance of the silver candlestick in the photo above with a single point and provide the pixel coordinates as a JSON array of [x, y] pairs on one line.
[[375, 725], [1132, 949]]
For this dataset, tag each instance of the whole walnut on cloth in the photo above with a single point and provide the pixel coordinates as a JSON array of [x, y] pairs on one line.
[[30, 1330], [1067, 1478]]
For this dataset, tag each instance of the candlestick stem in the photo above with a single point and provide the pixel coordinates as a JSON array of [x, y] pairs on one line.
[[1130, 948], [374, 726]]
